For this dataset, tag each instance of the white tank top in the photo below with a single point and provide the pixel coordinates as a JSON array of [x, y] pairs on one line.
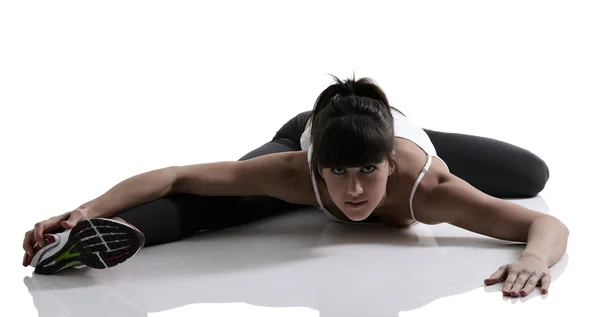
[[403, 128]]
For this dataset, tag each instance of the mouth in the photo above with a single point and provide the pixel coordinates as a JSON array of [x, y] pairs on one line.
[[355, 205]]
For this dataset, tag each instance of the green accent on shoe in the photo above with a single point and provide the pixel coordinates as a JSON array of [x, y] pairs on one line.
[[67, 254]]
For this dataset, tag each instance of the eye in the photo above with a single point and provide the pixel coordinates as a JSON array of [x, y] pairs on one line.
[[368, 169], [338, 170]]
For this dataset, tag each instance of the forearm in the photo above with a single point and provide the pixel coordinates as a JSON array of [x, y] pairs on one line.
[[547, 240], [459, 203], [132, 192]]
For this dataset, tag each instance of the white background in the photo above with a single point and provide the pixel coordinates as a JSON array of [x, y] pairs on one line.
[[92, 93]]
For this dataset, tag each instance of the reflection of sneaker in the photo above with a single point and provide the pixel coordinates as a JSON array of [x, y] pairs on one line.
[[78, 295], [98, 243], [44, 299]]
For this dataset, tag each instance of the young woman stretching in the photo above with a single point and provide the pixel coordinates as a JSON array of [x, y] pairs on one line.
[[353, 156]]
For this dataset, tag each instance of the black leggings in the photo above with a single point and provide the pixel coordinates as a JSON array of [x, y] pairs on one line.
[[494, 167]]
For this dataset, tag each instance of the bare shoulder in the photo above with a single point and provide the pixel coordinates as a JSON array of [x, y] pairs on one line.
[[281, 175], [410, 160]]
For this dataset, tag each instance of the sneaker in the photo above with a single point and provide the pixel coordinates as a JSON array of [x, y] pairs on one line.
[[97, 243]]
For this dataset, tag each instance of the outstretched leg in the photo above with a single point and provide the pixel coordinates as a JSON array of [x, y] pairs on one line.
[[177, 216], [495, 167]]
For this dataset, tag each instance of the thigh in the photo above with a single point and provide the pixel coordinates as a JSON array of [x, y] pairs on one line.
[[495, 167], [177, 216]]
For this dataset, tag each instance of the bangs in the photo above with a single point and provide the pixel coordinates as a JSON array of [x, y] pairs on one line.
[[352, 141]]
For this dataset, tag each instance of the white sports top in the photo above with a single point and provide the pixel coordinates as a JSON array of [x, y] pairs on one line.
[[403, 128]]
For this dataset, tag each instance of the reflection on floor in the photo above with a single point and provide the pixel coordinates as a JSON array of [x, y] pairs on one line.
[[299, 264]]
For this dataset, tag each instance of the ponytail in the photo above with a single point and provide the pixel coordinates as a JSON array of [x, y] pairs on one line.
[[363, 88]]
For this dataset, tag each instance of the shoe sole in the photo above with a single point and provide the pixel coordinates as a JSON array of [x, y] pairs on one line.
[[96, 243]]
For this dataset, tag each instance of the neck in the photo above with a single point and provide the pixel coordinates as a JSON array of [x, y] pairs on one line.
[[390, 190]]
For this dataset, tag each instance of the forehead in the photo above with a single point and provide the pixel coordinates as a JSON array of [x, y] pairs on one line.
[[357, 166]]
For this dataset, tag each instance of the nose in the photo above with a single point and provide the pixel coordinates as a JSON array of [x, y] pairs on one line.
[[354, 188]]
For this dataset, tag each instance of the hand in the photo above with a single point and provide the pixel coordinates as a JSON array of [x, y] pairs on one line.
[[34, 238], [522, 276]]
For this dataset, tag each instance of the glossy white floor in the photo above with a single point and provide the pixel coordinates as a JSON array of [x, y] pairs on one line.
[[303, 265], [96, 93]]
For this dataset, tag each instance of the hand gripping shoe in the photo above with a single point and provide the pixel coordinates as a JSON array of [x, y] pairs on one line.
[[98, 243]]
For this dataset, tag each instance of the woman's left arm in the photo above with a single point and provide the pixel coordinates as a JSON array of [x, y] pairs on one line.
[[454, 201]]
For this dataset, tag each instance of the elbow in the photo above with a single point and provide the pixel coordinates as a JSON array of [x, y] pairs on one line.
[[553, 224], [172, 175], [563, 227]]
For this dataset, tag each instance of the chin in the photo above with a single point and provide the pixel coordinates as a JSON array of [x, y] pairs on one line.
[[358, 216]]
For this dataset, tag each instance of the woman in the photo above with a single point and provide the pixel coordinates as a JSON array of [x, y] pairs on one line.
[[353, 156]]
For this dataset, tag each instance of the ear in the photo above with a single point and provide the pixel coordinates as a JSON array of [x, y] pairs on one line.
[[392, 164]]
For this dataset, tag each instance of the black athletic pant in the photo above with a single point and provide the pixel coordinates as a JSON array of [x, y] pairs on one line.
[[494, 167]]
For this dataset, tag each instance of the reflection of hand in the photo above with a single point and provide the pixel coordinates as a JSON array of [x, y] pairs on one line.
[[522, 276]]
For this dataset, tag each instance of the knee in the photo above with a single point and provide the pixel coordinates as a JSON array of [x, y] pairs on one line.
[[537, 176], [293, 128]]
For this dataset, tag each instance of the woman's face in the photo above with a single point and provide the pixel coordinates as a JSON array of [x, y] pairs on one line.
[[365, 185]]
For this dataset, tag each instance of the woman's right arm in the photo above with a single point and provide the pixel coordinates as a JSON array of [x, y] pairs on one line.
[[132, 192], [271, 175], [211, 179]]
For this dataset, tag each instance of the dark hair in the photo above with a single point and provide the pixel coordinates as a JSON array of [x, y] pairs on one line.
[[352, 125]]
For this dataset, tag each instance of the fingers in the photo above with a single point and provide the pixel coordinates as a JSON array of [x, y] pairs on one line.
[[519, 283], [27, 259], [510, 281], [35, 240], [523, 283], [497, 276], [27, 242], [38, 234], [546, 283], [74, 217], [522, 278], [30, 247], [532, 282], [53, 224]]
